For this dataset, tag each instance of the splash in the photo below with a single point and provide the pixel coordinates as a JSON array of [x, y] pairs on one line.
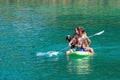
[[49, 53]]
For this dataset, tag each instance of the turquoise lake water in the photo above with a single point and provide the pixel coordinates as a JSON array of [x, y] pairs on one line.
[[33, 45]]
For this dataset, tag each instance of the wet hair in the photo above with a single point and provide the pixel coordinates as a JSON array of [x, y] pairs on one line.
[[80, 29]]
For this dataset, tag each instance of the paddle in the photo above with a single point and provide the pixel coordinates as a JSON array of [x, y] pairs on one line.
[[96, 34]]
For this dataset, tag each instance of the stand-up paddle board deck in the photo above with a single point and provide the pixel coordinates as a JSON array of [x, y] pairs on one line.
[[80, 54]]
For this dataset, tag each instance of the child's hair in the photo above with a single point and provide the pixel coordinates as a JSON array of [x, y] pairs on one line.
[[68, 37]]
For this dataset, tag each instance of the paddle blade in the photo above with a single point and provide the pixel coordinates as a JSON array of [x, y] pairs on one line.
[[99, 33]]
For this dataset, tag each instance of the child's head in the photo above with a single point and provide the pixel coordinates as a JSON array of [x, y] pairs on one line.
[[68, 37]]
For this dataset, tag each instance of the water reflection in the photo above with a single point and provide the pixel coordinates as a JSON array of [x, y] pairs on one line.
[[79, 66]]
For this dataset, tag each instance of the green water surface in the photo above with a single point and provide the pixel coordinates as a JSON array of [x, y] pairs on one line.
[[33, 45]]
